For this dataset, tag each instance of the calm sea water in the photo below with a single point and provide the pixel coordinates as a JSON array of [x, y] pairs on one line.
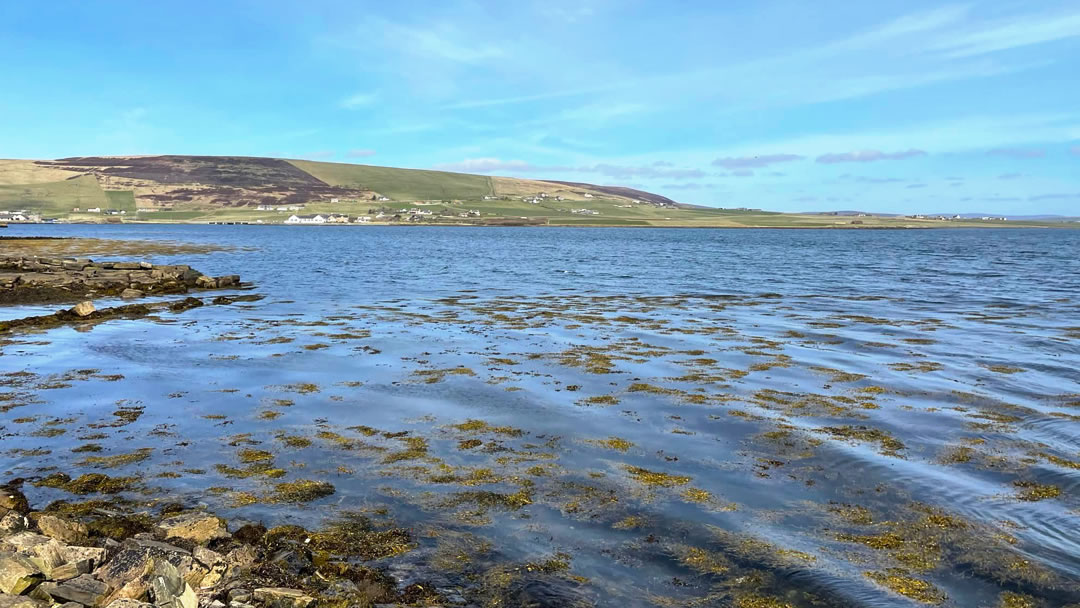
[[658, 417]]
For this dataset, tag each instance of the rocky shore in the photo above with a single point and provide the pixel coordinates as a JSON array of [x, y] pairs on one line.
[[98, 554], [39, 280]]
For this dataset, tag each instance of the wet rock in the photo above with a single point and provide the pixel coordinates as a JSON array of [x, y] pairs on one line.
[[12, 522], [8, 600], [18, 575], [84, 589], [83, 309], [12, 499], [63, 530], [131, 294], [228, 280], [205, 282], [196, 527], [281, 597]]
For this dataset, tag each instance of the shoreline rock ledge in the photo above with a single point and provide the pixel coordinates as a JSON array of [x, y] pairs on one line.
[[42, 280]]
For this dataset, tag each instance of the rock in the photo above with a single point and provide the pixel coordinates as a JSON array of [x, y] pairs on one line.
[[18, 575], [241, 558], [205, 282], [131, 294], [84, 589], [63, 530], [8, 600], [13, 500], [23, 541], [71, 605], [131, 570], [239, 595], [96, 555], [70, 570], [83, 309], [12, 522], [214, 562], [169, 590], [146, 266], [48, 557], [280, 597], [228, 280], [195, 526], [126, 602]]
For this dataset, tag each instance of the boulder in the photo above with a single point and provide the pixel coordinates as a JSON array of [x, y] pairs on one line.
[[195, 526], [281, 597], [12, 522], [70, 570], [84, 589], [205, 282], [214, 562], [48, 557], [18, 575], [13, 500], [131, 570], [23, 542], [83, 309], [131, 294], [96, 555], [126, 602], [169, 590], [228, 280], [8, 600], [63, 530]]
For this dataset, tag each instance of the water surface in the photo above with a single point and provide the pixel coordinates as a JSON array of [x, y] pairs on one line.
[[618, 417]]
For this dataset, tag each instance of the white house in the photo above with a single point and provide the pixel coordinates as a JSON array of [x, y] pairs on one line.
[[384, 198], [334, 200], [306, 219], [363, 219], [94, 210], [587, 195]]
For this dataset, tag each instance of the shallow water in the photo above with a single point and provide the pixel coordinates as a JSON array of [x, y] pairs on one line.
[[658, 417]]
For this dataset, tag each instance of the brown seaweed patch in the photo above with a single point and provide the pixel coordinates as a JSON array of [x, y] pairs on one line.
[[117, 460], [301, 490], [89, 483], [654, 478], [896, 580], [1031, 491]]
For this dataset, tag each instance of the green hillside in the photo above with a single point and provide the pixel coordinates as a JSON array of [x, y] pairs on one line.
[[54, 198], [400, 184], [124, 200]]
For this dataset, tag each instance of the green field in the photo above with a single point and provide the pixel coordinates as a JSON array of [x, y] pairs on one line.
[[54, 198], [123, 200], [401, 184]]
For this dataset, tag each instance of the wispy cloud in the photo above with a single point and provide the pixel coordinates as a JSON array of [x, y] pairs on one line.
[[754, 162], [867, 156], [1018, 152], [494, 165], [1055, 196], [358, 100], [1010, 33], [360, 153], [1009, 176]]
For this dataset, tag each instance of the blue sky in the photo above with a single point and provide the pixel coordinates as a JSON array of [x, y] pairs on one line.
[[787, 105]]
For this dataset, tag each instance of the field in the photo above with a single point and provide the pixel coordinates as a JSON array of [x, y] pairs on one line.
[[53, 198], [400, 184]]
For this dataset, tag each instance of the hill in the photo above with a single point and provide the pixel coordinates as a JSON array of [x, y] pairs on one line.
[[203, 189]]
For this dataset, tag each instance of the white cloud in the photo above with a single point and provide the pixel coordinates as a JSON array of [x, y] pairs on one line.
[[360, 153], [1018, 152], [754, 162], [867, 156], [1009, 33], [358, 100]]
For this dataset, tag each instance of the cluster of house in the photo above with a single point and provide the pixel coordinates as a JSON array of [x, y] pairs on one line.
[[919, 216], [19, 216], [585, 211], [99, 210], [327, 218]]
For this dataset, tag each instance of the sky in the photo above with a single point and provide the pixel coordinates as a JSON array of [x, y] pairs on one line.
[[887, 106]]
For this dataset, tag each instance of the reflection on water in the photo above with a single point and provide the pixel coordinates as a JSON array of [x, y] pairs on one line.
[[608, 417]]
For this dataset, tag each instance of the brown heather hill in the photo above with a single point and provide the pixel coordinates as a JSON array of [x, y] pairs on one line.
[[189, 183]]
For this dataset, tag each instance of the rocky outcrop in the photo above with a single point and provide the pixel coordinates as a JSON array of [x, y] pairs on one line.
[[57, 558], [27, 280]]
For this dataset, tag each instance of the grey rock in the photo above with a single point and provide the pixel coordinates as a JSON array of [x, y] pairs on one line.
[[239, 595], [84, 589], [12, 522], [63, 530], [96, 555], [23, 541], [126, 602], [131, 294], [70, 570], [18, 575], [8, 600], [281, 597]]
